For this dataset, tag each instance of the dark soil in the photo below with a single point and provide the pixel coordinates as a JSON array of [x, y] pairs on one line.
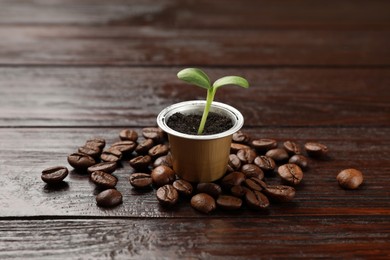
[[189, 124]]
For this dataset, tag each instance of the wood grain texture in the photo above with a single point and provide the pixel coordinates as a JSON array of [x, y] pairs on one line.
[[127, 45], [43, 96], [26, 152], [283, 237]]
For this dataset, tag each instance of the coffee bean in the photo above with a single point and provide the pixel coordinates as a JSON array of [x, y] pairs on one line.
[[162, 175], [163, 160], [183, 187], [234, 163], [240, 137], [316, 149], [281, 193], [144, 146], [209, 188], [235, 147], [128, 135], [158, 150], [252, 170], [299, 160], [278, 154], [238, 191], [80, 161], [109, 198], [246, 155], [292, 148], [167, 195], [350, 178], [232, 179], [107, 167], [154, 133], [140, 162], [256, 200], [92, 151], [111, 155], [103, 180], [96, 142], [265, 163], [255, 184], [203, 203], [140, 180], [290, 173], [125, 147], [229, 202], [54, 175], [263, 145]]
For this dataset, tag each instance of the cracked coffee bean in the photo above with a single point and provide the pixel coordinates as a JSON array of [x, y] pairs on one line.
[[263, 145], [256, 200], [103, 180], [265, 163], [229, 202], [291, 173], [316, 149], [299, 160], [107, 167], [109, 198], [292, 148], [54, 175], [183, 187], [162, 175], [210, 188], [140, 162], [246, 155], [252, 170], [278, 154], [140, 180], [280, 193], [128, 135], [203, 203], [80, 161], [167, 195], [350, 178]]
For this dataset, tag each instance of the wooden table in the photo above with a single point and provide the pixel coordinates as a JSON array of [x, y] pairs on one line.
[[71, 70]]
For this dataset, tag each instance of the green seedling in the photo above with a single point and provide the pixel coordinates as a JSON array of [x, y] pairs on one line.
[[198, 78]]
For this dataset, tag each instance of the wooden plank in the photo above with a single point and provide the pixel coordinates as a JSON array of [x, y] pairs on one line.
[[134, 96], [246, 14], [216, 238], [26, 152], [127, 45]]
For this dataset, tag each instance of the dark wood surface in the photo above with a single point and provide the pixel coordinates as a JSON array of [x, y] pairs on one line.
[[71, 70]]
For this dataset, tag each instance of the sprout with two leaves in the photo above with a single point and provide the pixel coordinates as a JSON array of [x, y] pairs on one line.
[[198, 78]]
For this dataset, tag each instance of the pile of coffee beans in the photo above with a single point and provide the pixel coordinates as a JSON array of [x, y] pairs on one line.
[[243, 185]]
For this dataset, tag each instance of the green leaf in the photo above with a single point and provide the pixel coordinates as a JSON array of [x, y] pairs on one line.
[[231, 80], [195, 76]]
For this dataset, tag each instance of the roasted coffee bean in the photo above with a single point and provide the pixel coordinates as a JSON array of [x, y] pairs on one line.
[[240, 137], [290, 173], [292, 148], [232, 179], [210, 188], [154, 133], [125, 147], [316, 149], [96, 142], [162, 175], [183, 187], [256, 200], [167, 195], [80, 161], [350, 178], [158, 150], [54, 175], [163, 160], [281, 193], [238, 191], [263, 145], [111, 155], [255, 184], [140, 162], [128, 135], [234, 163], [107, 167], [109, 198], [92, 151], [252, 170], [144, 146], [299, 160], [229, 202], [265, 163], [140, 180], [246, 155], [103, 180], [235, 147], [203, 203], [278, 154]]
